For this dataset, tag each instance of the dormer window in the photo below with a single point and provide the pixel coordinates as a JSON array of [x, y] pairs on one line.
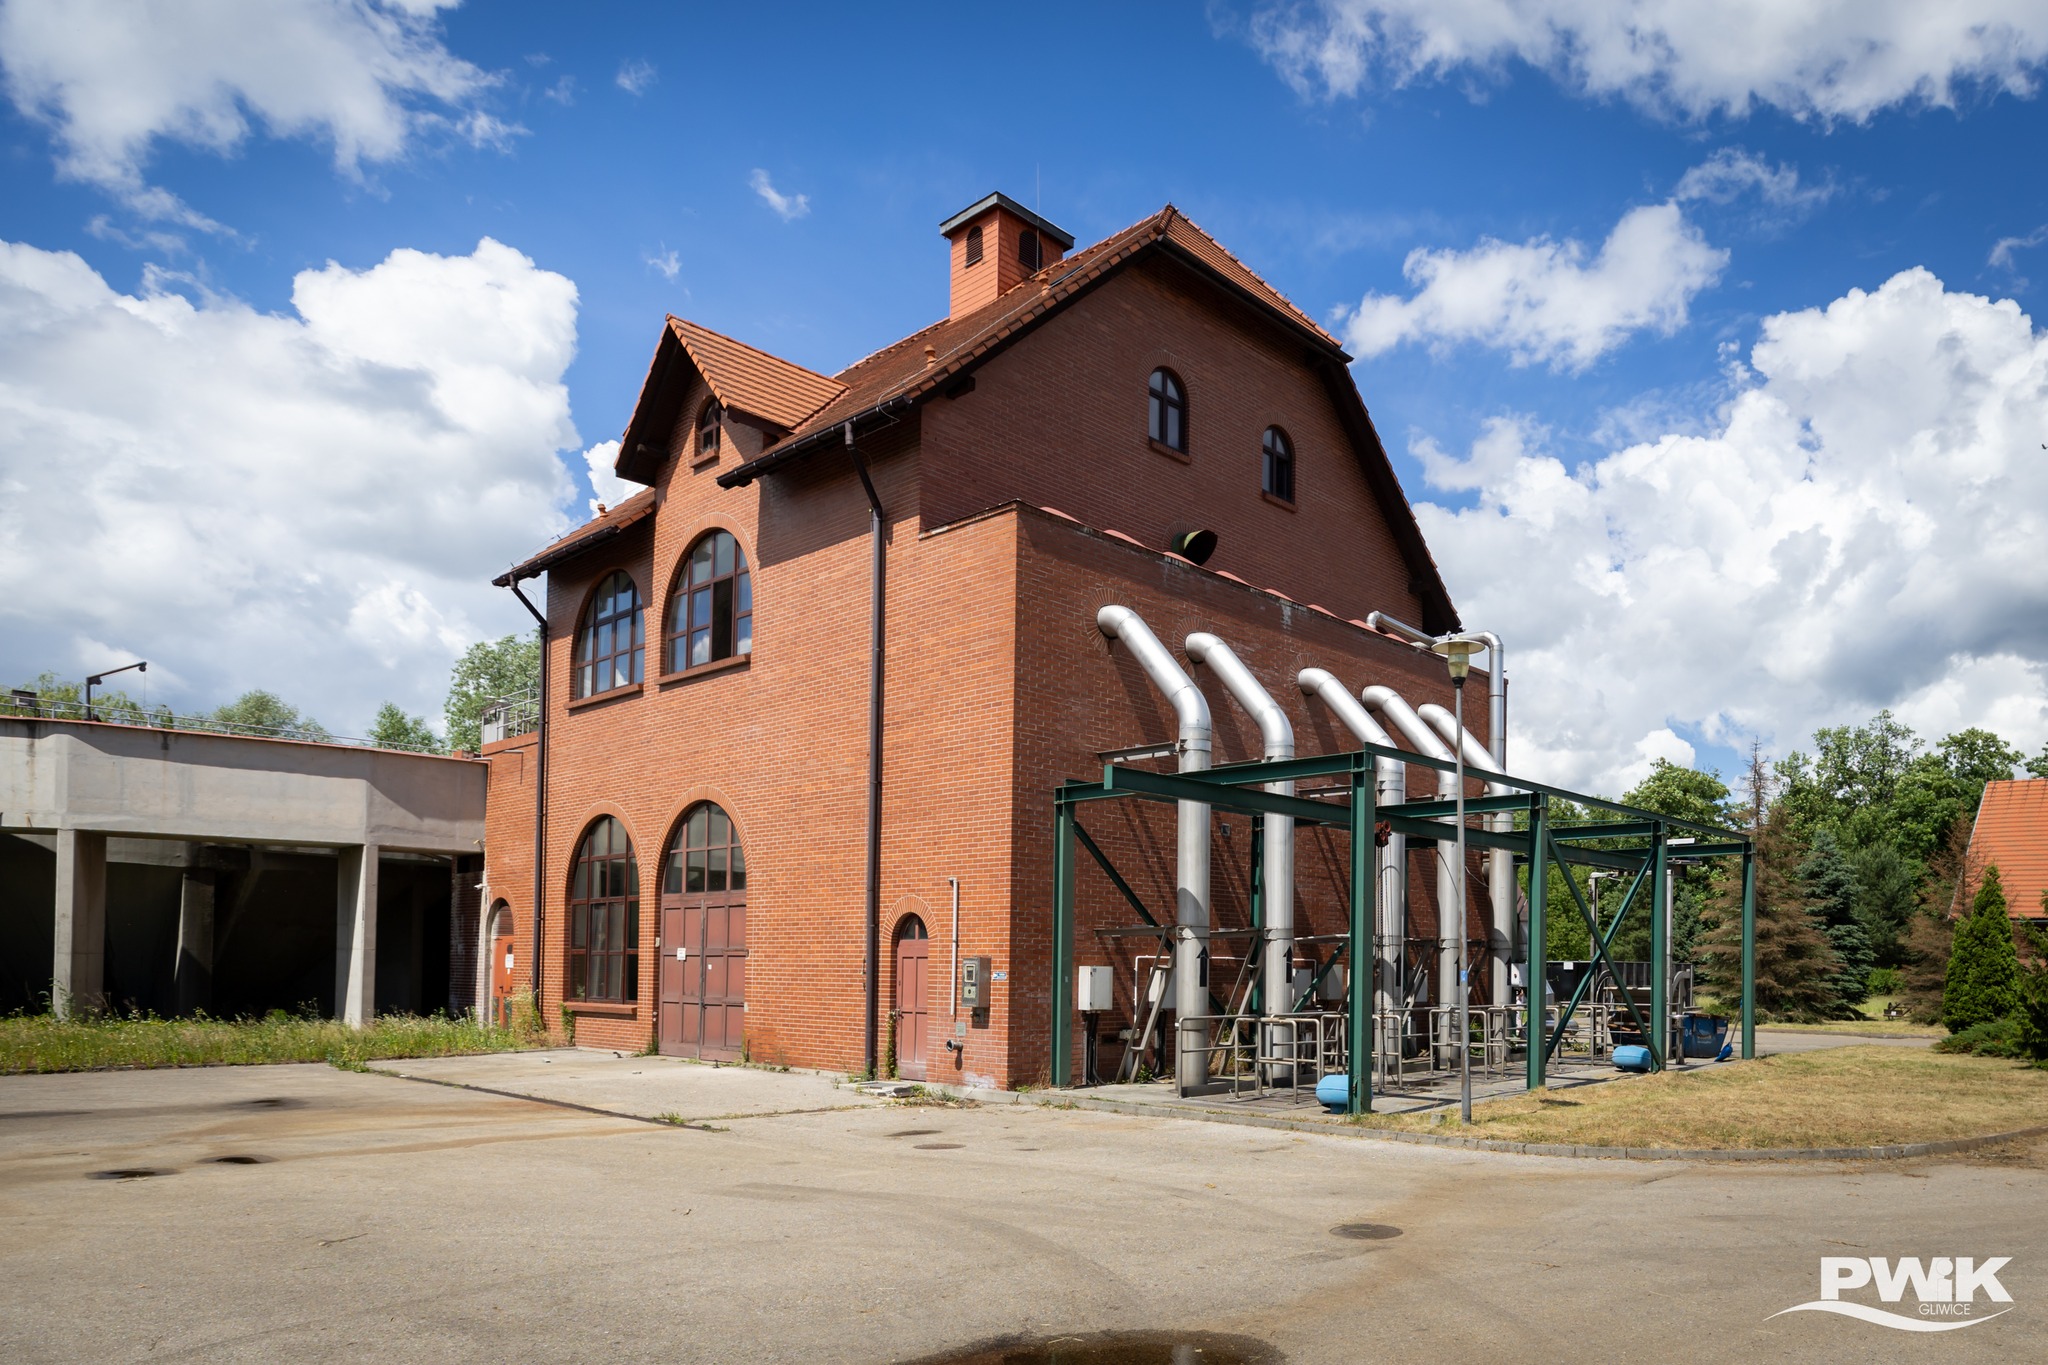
[[708, 428], [974, 245], [1028, 254]]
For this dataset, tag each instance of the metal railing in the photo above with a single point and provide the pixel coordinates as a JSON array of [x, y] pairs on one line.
[[512, 715], [27, 706]]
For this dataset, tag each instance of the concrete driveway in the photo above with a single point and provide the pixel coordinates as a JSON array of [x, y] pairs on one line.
[[389, 1220]]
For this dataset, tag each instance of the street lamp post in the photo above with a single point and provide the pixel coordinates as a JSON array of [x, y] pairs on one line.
[[1458, 652], [97, 678]]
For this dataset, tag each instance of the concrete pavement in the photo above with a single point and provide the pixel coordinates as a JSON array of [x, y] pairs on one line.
[[391, 1220]]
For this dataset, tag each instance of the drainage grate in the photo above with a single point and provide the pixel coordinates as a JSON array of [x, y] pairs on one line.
[[1365, 1232]]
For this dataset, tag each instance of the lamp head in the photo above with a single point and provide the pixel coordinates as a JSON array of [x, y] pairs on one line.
[[1457, 652]]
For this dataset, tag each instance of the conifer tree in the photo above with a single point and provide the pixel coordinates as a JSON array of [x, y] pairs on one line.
[[1829, 879], [1983, 981]]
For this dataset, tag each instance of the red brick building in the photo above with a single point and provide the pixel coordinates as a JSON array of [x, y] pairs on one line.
[[1038, 454]]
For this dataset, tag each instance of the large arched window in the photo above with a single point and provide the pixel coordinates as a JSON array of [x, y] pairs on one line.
[[608, 646], [711, 615], [1169, 411], [706, 857], [709, 420], [1277, 460], [604, 917]]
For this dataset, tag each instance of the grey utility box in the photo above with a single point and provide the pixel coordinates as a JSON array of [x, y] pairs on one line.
[[1095, 989], [974, 982]]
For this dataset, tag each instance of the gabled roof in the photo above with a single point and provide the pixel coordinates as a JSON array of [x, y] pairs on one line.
[[744, 379], [2012, 834], [594, 532]]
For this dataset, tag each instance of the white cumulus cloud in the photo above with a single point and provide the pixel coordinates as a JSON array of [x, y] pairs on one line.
[[611, 490], [1859, 527], [1823, 59], [112, 78], [1543, 300], [786, 206], [311, 502], [1731, 172]]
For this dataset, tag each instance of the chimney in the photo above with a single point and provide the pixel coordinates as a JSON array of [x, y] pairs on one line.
[[996, 244]]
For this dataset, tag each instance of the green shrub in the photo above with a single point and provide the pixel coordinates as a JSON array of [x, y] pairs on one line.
[[1983, 980], [1992, 1038], [1884, 981]]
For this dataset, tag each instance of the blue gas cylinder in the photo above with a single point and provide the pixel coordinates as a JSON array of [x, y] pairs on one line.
[[1632, 1057], [1334, 1092]]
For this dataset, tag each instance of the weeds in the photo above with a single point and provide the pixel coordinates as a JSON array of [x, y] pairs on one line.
[[44, 1043]]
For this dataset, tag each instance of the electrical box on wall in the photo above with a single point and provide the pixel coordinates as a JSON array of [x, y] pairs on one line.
[[1094, 989], [974, 982]]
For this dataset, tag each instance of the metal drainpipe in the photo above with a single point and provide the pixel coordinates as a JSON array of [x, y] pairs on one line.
[[1392, 774], [876, 615], [1450, 914], [1500, 868], [540, 791], [1191, 863], [1276, 739]]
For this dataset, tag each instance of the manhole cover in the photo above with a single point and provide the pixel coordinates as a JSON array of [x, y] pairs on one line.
[[1117, 1348], [1366, 1232], [127, 1173], [239, 1160], [938, 1146], [914, 1132]]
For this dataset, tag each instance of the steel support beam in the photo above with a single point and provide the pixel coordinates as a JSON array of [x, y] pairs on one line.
[[1539, 955], [1660, 952], [1585, 986], [1063, 827], [1600, 955], [1116, 878]]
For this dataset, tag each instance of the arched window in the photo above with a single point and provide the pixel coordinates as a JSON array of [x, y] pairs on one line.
[[974, 245], [706, 857], [604, 917], [1278, 462], [1027, 249], [1169, 411], [712, 613], [708, 430], [608, 647]]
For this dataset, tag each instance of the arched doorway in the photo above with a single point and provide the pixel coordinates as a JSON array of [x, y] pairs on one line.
[[499, 968], [913, 1013], [703, 1005]]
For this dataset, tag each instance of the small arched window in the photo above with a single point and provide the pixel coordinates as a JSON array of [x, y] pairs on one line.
[[1169, 411], [974, 245], [1028, 252], [712, 612], [709, 429], [604, 917], [609, 645], [1277, 459], [706, 857]]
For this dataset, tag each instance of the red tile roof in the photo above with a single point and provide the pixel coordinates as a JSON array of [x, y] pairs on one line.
[[600, 528], [2012, 834], [752, 380]]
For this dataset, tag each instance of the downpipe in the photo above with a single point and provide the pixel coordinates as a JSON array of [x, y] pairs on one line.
[[1500, 867]]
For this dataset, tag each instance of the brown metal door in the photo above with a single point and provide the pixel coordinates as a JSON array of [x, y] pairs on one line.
[[913, 1016], [669, 979], [723, 993]]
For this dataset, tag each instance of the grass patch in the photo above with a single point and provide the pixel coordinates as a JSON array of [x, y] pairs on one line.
[[1839, 1097], [41, 1042]]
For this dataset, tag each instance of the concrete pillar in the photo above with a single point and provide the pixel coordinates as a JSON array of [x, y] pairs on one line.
[[355, 947], [79, 981], [194, 972]]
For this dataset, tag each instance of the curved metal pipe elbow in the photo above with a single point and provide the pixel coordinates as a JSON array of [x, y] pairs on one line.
[[1476, 754], [1190, 707], [1276, 732], [1425, 741], [1326, 687]]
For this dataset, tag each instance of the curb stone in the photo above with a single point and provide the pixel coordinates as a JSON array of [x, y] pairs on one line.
[[1885, 1152]]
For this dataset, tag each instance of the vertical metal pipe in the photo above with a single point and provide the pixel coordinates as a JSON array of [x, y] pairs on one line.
[[1749, 955], [1364, 823], [1062, 943], [1391, 927], [877, 590], [955, 881], [540, 797], [1404, 718], [1660, 956], [1538, 974], [1464, 934]]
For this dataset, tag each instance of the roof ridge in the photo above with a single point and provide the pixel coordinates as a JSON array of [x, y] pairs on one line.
[[1239, 261], [743, 345]]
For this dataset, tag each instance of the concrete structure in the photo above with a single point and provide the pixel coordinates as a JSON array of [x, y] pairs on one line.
[[900, 569], [160, 795]]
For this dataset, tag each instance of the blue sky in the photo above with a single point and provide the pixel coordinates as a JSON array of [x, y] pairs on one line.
[[1723, 475]]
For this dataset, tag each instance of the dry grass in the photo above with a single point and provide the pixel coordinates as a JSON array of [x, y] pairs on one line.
[[40, 1042], [1838, 1097], [1865, 1028]]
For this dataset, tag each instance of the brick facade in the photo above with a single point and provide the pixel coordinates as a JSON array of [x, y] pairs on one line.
[[998, 683]]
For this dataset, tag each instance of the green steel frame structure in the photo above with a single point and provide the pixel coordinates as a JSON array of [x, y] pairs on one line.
[[1238, 787]]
